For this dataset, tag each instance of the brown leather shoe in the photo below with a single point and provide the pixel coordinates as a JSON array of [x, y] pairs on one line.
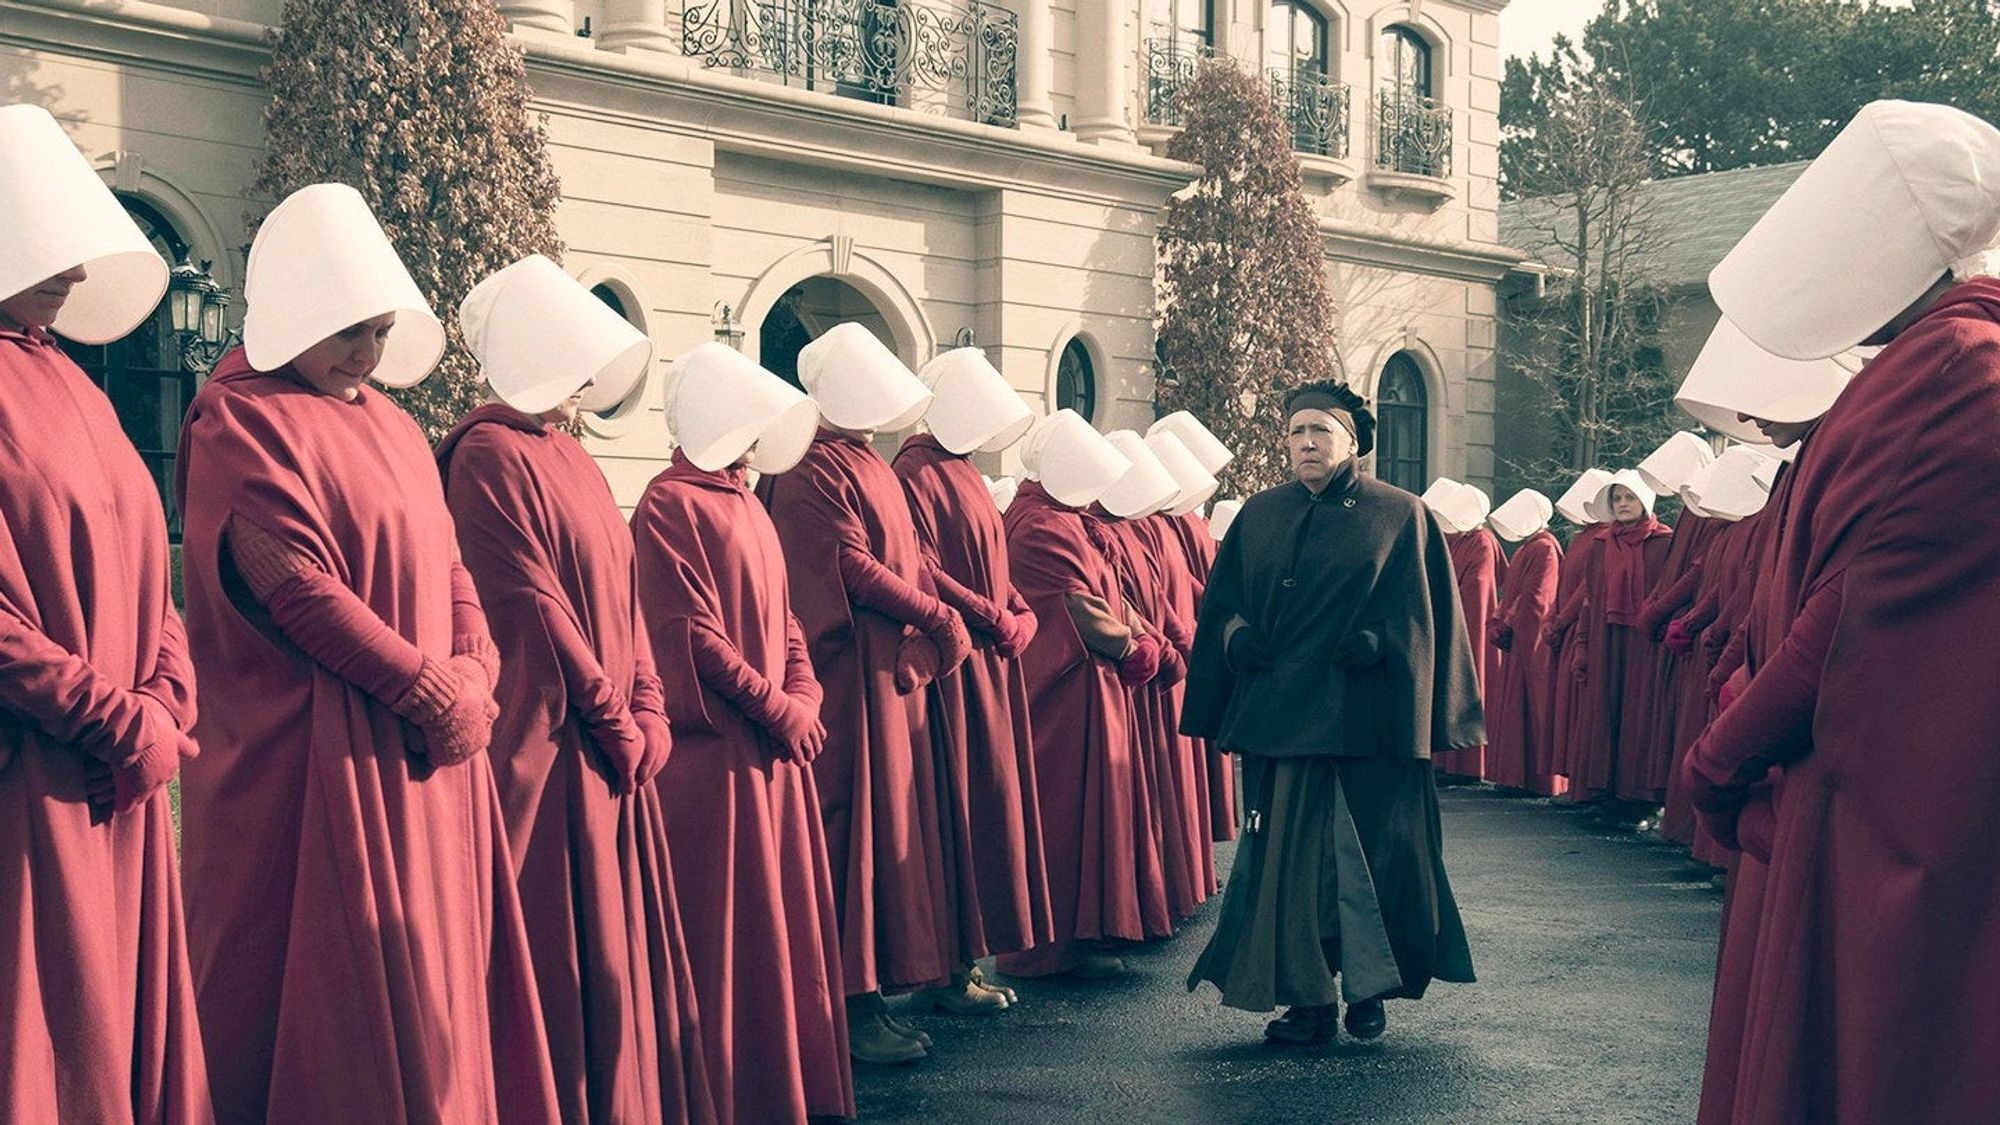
[[905, 1029], [1096, 966], [980, 980], [1311, 1024], [963, 998], [871, 1040]]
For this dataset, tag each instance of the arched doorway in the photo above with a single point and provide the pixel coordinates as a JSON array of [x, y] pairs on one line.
[[142, 372], [1403, 431], [804, 312]]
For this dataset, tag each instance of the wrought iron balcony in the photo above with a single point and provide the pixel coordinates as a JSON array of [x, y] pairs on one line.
[[1316, 107], [941, 58], [1412, 134], [1170, 67]]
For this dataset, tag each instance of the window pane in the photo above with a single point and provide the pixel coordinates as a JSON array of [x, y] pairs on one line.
[[1076, 382]]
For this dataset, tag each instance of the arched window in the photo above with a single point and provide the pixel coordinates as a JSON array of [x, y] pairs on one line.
[[1402, 425], [1076, 381], [781, 337], [1295, 39], [617, 300], [1406, 63], [611, 300], [1413, 129], [142, 373]]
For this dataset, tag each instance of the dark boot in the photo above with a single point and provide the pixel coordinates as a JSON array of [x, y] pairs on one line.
[[1367, 1019], [870, 1039], [1311, 1024]]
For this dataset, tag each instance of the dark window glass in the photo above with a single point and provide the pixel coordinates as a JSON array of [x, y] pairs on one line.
[[1406, 63], [1076, 382], [781, 337], [1295, 40], [141, 373], [1402, 434]]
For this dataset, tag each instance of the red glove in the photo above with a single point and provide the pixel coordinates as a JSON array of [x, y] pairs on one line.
[[1678, 640], [451, 705], [1580, 671], [917, 663], [1008, 634], [1502, 637], [796, 728], [126, 787], [619, 736], [1173, 667], [950, 642], [1552, 639], [1718, 807], [659, 743], [1142, 663], [480, 648]]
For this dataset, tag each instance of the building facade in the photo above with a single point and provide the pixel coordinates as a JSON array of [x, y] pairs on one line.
[[946, 171]]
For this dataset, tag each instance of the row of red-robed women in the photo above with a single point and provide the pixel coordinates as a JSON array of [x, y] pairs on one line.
[[497, 808], [1804, 668]]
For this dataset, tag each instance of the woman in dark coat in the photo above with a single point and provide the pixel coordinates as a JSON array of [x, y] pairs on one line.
[[1338, 588]]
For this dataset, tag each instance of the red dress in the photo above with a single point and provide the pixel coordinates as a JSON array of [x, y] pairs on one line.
[[1477, 562], [1608, 753], [552, 557], [749, 853], [358, 947], [1199, 546], [1518, 753], [1084, 762], [856, 573], [99, 1023], [986, 763], [1874, 992]]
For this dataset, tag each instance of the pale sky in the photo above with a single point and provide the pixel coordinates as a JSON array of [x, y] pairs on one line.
[[1527, 26]]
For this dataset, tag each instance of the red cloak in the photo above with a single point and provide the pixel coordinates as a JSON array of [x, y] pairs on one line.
[[853, 559], [1198, 546], [1166, 770], [1517, 752], [1181, 608], [979, 713], [552, 557], [749, 851], [1570, 648], [1479, 565], [1084, 767], [1666, 732], [357, 941], [1875, 990], [1608, 756], [99, 1019]]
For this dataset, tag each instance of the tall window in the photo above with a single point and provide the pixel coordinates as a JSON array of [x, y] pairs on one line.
[[1402, 430], [142, 373], [1188, 24], [1076, 381], [1406, 64], [1295, 40]]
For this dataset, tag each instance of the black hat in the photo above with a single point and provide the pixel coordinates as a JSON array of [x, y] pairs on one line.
[[1339, 400]]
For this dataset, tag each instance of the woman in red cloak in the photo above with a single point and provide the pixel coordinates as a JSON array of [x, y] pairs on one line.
[[1077, 666], [743, 809], [1566, 644], [1168, 866], [1200, 538], [979, 713], [1481, 569], [582, 727], [1608, 760], [96, 693], [877, 634], [358, 947], [1517, 752]]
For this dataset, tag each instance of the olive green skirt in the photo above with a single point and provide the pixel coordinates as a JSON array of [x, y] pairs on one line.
[[1339, 875]]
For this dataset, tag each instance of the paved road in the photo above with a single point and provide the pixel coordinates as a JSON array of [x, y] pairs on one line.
[[1594, 948]]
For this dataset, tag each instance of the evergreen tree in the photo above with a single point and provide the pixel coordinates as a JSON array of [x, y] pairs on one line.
[[1244, 311], [422, 106]]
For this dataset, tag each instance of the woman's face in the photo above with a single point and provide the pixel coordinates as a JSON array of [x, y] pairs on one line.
[[1783, 435], [1318, 445], [339, 364], [564, 412], [37, 305], [1625, 505]]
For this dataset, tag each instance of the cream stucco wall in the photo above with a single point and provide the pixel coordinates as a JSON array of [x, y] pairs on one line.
[[686, 187]]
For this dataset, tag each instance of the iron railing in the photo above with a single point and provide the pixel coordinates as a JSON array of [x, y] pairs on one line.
[[935, 57], [1412, 134], [1170, 67], [1316, 107]]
